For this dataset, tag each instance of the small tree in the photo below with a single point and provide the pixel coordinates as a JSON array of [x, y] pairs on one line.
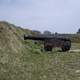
[[78, 31], [47, 33], [36, 32], [56, 33]]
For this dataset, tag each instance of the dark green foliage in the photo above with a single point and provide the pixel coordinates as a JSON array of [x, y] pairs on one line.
[[78, 31]]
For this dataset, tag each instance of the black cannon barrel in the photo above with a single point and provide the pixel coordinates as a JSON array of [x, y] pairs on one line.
[[43, 37]]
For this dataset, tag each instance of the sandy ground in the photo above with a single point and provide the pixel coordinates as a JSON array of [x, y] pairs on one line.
[[75, 50]]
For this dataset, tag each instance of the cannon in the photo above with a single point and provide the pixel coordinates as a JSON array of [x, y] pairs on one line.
[[51, 42]]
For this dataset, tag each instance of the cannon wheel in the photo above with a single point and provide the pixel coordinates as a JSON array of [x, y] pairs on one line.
[[48, 48], [66, 46]]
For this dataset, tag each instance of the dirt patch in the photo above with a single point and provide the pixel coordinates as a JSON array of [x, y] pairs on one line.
[[75, 50]]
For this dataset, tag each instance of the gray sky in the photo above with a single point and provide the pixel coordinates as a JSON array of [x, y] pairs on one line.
[[54, 15]]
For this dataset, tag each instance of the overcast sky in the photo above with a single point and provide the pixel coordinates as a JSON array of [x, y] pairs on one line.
[[54, 15]]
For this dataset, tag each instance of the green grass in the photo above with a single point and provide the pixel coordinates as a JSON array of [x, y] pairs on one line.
[[32, 64]]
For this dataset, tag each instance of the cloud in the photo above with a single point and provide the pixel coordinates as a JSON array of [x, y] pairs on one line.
[[54, 15]]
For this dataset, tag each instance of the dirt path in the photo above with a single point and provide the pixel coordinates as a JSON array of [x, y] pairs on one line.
[[75, 50]]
